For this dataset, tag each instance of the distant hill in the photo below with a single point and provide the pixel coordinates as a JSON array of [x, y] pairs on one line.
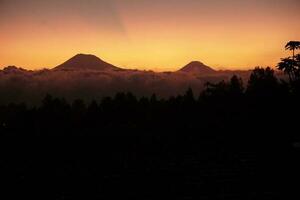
[[197, 67], [86, 62], [14, 69]]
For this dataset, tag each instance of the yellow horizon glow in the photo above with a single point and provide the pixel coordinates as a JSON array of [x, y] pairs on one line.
[[158, 38]]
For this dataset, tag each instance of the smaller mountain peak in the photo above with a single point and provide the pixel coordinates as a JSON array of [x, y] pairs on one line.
[[82, 55], [197, 67], [195, 63], [85, 58]]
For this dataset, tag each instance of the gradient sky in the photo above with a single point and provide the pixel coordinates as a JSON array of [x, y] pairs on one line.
[[148, 34]]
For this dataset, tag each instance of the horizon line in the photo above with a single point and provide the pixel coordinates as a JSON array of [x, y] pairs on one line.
[[154, 69]]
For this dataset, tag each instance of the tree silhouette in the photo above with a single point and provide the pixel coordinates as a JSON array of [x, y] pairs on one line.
[[297, 64], [293, 45], [262, 83], [227, 138], [287, 65], [236, 87], [232, 89], [291, 66], [189, 96], [215, 90]]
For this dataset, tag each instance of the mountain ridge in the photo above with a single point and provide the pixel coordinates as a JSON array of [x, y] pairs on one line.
[[86, 62], [92, 62], [197, 67], [89, 62]]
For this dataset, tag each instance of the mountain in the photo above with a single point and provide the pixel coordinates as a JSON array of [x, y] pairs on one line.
[[197, 67], [86, 62]]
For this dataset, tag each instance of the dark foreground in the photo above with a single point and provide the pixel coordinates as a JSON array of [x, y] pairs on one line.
[[150, 168], [231, 143]]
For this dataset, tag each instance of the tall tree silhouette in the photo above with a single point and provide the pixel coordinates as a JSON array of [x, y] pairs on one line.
[[297, 64], [290, 65], [189, 96], [236, 86], [293, 45], [287, 65]]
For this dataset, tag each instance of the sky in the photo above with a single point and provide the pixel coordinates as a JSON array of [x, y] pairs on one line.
[[159, 35]]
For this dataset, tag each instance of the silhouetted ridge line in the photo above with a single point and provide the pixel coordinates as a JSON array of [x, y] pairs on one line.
[[197, 67], [86, 62]]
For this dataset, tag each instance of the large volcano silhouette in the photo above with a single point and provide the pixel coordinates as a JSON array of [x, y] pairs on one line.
[[86, 62], [197, 67]]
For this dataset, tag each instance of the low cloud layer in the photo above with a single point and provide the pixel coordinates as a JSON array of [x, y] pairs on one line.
[[18, 85]]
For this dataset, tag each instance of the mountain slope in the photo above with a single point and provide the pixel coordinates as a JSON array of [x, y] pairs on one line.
[[197, 67], [86, 62]]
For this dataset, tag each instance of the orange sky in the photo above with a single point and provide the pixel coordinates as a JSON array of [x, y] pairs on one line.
[[160, 34]]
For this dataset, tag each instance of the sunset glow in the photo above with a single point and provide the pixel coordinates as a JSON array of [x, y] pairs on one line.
[[159, 35]]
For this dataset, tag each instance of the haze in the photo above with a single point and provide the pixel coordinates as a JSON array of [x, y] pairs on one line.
[[159, 35]]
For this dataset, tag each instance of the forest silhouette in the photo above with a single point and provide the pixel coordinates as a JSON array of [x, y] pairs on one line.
[[235, 141]]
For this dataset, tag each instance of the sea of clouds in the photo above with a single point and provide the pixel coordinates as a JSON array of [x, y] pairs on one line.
[[19, 85]]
